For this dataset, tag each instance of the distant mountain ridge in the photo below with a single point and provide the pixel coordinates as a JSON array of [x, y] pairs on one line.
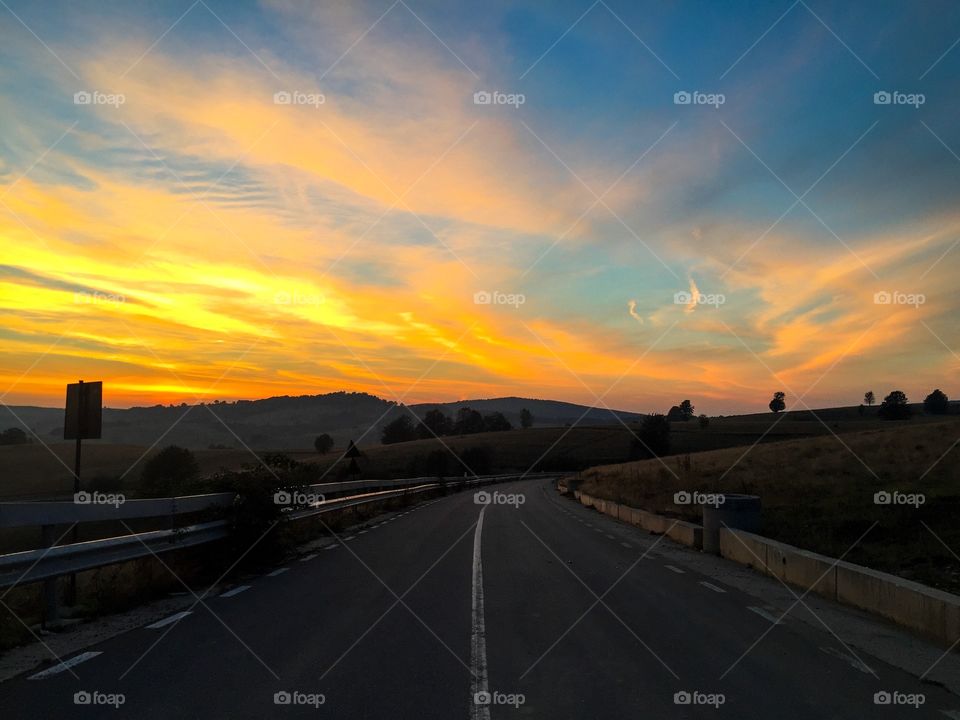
[[289, 422]]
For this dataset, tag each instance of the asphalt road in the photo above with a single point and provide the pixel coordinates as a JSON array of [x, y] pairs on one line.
[[545, 608]]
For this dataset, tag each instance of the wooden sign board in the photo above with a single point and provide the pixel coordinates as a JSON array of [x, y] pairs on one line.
[[84, 418]]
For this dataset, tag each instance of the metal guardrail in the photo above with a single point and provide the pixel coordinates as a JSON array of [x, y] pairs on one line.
[[48, 563], [32, 514]]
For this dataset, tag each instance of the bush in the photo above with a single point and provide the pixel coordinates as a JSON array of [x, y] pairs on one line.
[[255, 514], [13, 436], [169, 472], [279, 461]]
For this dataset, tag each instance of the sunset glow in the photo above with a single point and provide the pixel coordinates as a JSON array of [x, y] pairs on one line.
[[205, 240]]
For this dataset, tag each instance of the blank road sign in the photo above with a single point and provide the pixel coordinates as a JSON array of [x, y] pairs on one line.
[[84, 418]]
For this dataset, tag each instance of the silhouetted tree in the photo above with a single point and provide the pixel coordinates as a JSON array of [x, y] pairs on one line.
[[434, 423], [468, 421], [168, 472], [936, 403], [526, 418], [686, 409], [13, 436], [398, 430], [777, 405], [894, 406], [869, 398], [675, 414], [323, 444], [353, 451], [654, 437], [496, 422]]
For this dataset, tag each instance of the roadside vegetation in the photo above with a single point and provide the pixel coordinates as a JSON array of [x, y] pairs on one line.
[[818, 493]]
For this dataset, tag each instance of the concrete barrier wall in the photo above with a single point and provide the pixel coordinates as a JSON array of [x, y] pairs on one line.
[[682, 532], [931, 612], [685, 533]]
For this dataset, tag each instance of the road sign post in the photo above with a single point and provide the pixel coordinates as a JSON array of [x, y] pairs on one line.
[[83, 420]]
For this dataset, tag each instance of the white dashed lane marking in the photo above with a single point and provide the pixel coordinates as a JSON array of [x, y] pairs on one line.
[[308, 558], [675, 569], [331, 547], [236, 591], [169, 621], [278, 571], [65, 665], [852, 661], [626, 545], [712, 586], [764, 614]]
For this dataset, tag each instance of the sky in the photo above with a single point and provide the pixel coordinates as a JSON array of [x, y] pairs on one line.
[[617, 203]]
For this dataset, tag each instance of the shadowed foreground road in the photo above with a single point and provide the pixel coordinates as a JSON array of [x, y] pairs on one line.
[[542, 609]]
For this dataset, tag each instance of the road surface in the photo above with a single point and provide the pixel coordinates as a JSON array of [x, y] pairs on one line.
[[454, 609]]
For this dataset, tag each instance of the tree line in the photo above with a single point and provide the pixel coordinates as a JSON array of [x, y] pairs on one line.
[[435, 423], [895, 405]]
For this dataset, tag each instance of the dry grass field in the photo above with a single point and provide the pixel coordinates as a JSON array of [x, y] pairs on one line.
[[818, 493]]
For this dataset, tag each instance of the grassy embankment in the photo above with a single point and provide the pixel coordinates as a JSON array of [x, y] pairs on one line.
[[818, 493]]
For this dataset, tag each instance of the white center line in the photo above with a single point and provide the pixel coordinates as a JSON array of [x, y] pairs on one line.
[[65, 665], [675, 569], [712, 586], [611, 537], [348, 537], [308, 558], [626, 545], [362, 532], [169, 621], [331, 547], [236, 591], [478, 639], [278, 571]]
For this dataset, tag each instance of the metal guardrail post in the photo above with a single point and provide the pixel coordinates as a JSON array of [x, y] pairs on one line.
[[51, 609]]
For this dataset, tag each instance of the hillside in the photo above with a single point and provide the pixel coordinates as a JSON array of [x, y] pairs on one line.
[[286, 423]]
